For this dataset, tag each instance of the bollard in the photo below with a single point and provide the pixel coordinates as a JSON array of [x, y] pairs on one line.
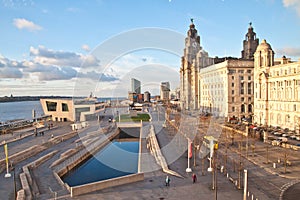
[[227, 175], [252, 197], [274, 165]]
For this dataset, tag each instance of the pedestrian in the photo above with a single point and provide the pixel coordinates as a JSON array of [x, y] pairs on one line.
[[194, 177], [168, 181]]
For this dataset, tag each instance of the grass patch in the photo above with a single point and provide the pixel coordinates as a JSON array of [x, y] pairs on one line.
[[138, 118]]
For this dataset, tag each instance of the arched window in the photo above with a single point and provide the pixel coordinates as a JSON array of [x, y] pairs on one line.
[[249, 108], [242, 108]]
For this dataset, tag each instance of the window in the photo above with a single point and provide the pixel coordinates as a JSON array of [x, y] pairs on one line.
[[64, 107], [242, 88], [249, 88], [232, 77], [232, 84], [249, 71], [241, 71], [233, 109], [232, 99], [249, 99], [295, 107], [249, 78], [232, 92], [249, 108], [242, 108], [51, 106], [241, 77], [242, 99]]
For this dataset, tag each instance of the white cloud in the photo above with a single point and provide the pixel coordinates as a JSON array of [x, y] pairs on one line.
[[10, 68], [52, 65], [295, 4], [22, 23], [62, 58], [85, 47], [289, 51], [72, 9]]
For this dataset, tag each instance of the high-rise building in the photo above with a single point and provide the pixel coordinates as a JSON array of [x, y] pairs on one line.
[[164, 91], [135, 86]]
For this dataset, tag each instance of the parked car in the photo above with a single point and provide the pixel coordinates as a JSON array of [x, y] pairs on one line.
[[277, 133], [283, 139], [293, 137]]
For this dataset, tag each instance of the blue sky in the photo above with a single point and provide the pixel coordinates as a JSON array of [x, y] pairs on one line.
[[43, 43]]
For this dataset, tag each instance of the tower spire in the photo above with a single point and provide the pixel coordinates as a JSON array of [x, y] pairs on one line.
[[250, 43]]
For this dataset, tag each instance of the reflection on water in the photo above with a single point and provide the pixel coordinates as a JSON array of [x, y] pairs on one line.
[[119, 158]]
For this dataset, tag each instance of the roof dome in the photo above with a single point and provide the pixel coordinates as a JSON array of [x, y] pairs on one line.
[[264, 46]]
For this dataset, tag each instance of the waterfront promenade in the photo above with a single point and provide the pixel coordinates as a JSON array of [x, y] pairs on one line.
[[153, 187]]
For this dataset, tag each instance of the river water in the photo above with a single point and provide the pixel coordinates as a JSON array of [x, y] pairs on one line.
[[118, 158], [19, 110]]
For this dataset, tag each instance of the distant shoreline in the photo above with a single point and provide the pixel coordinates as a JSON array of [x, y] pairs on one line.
[[37, 98], [28, 98]]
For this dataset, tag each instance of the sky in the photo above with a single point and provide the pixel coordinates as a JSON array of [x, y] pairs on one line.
[[76, 47]]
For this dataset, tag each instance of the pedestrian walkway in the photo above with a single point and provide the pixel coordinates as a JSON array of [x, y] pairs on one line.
[[153, 187]]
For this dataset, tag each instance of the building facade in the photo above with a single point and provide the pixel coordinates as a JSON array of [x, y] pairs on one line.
[[70, 109], [165, 91], [226, 89], [135, 86], [147, 96], [220, 86], [277, 89]]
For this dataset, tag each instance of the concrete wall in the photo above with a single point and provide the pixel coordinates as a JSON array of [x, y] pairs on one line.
[[87, 188], [25, 186]]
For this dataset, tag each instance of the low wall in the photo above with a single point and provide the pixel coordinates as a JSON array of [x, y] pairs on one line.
[[25, 186], [92, 187], [23, 155], [21, 195]]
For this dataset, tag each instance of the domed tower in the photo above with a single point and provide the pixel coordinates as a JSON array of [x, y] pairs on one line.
[[263, 60], [250, 43], [264, 55]]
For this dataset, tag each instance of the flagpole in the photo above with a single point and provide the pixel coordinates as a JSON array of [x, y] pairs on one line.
[[188, 169], [7, 175]]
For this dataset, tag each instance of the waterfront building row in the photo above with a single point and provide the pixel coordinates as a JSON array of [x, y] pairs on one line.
[[256, 87]]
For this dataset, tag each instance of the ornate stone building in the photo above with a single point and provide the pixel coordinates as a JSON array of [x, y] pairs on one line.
[[277, 89], [221, 86], [194, 57]]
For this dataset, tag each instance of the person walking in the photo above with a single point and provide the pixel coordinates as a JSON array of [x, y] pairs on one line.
[[194, 177], [168, 181]]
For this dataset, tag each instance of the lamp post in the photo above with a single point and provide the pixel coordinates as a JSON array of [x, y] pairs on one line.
[[188, 169]]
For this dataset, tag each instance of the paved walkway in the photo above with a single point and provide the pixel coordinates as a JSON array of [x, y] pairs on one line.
[[153, 187]]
